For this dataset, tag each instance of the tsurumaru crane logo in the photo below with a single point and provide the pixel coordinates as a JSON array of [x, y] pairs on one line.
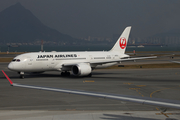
[[122, 42]]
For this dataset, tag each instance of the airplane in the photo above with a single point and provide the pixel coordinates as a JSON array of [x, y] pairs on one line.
[[141, 100], [79, 63]]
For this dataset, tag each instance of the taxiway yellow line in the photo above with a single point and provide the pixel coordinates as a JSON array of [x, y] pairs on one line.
[[128, 83], [140, 85], [88, 81], [159, 91]]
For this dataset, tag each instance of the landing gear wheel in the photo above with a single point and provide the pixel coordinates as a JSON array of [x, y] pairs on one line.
[[90, 75], [62, 73], [22, 76], [65, 73]]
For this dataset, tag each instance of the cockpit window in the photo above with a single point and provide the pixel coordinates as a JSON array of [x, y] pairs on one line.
[[16, 60]]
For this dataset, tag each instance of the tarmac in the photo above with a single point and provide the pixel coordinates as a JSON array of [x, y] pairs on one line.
[[27, 104]]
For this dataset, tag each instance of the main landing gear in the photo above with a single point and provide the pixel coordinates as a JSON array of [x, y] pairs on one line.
[[65, 73], [90, 75], [21, 75]]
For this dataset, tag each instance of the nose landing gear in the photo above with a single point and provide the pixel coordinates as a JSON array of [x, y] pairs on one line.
[[21, 75]]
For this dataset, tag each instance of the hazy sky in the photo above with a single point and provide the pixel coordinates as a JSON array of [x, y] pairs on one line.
[[103, 18]]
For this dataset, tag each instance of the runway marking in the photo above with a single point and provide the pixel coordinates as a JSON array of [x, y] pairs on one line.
[[88, 81], [140, 85], [135, 88], [70, 109], [128, 83], [168, 114], [159, 91], [140, 93], [162, 113], [177, 73]]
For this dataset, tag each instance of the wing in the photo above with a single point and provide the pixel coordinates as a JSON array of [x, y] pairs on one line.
[[111, 61], [141, 100], [123, 59]]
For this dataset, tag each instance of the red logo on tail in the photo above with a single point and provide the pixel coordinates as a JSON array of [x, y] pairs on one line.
[[122, 42]]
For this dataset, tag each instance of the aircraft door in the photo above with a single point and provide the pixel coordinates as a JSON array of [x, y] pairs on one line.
[[90, 57], [51, 63], [29, 63]]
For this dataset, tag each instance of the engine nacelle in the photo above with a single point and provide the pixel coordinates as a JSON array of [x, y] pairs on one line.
[[81, 69]]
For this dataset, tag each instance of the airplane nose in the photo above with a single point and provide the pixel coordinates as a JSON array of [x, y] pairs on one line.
[[10, 66]]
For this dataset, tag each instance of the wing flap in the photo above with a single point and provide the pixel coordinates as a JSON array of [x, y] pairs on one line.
[[141, 100], [7, 78]]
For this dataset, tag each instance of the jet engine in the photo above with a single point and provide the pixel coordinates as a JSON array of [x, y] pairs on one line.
[[81, 69]]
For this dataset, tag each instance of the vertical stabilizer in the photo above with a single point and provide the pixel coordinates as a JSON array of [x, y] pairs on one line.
[[121, 43]]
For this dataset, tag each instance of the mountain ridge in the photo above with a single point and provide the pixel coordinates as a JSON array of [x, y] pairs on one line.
[[18, 24]]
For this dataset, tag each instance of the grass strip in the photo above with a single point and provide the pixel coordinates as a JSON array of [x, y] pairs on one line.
[[6, 59]]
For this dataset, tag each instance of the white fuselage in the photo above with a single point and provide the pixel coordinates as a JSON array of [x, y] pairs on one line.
[[49, 61], [79, 63]]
